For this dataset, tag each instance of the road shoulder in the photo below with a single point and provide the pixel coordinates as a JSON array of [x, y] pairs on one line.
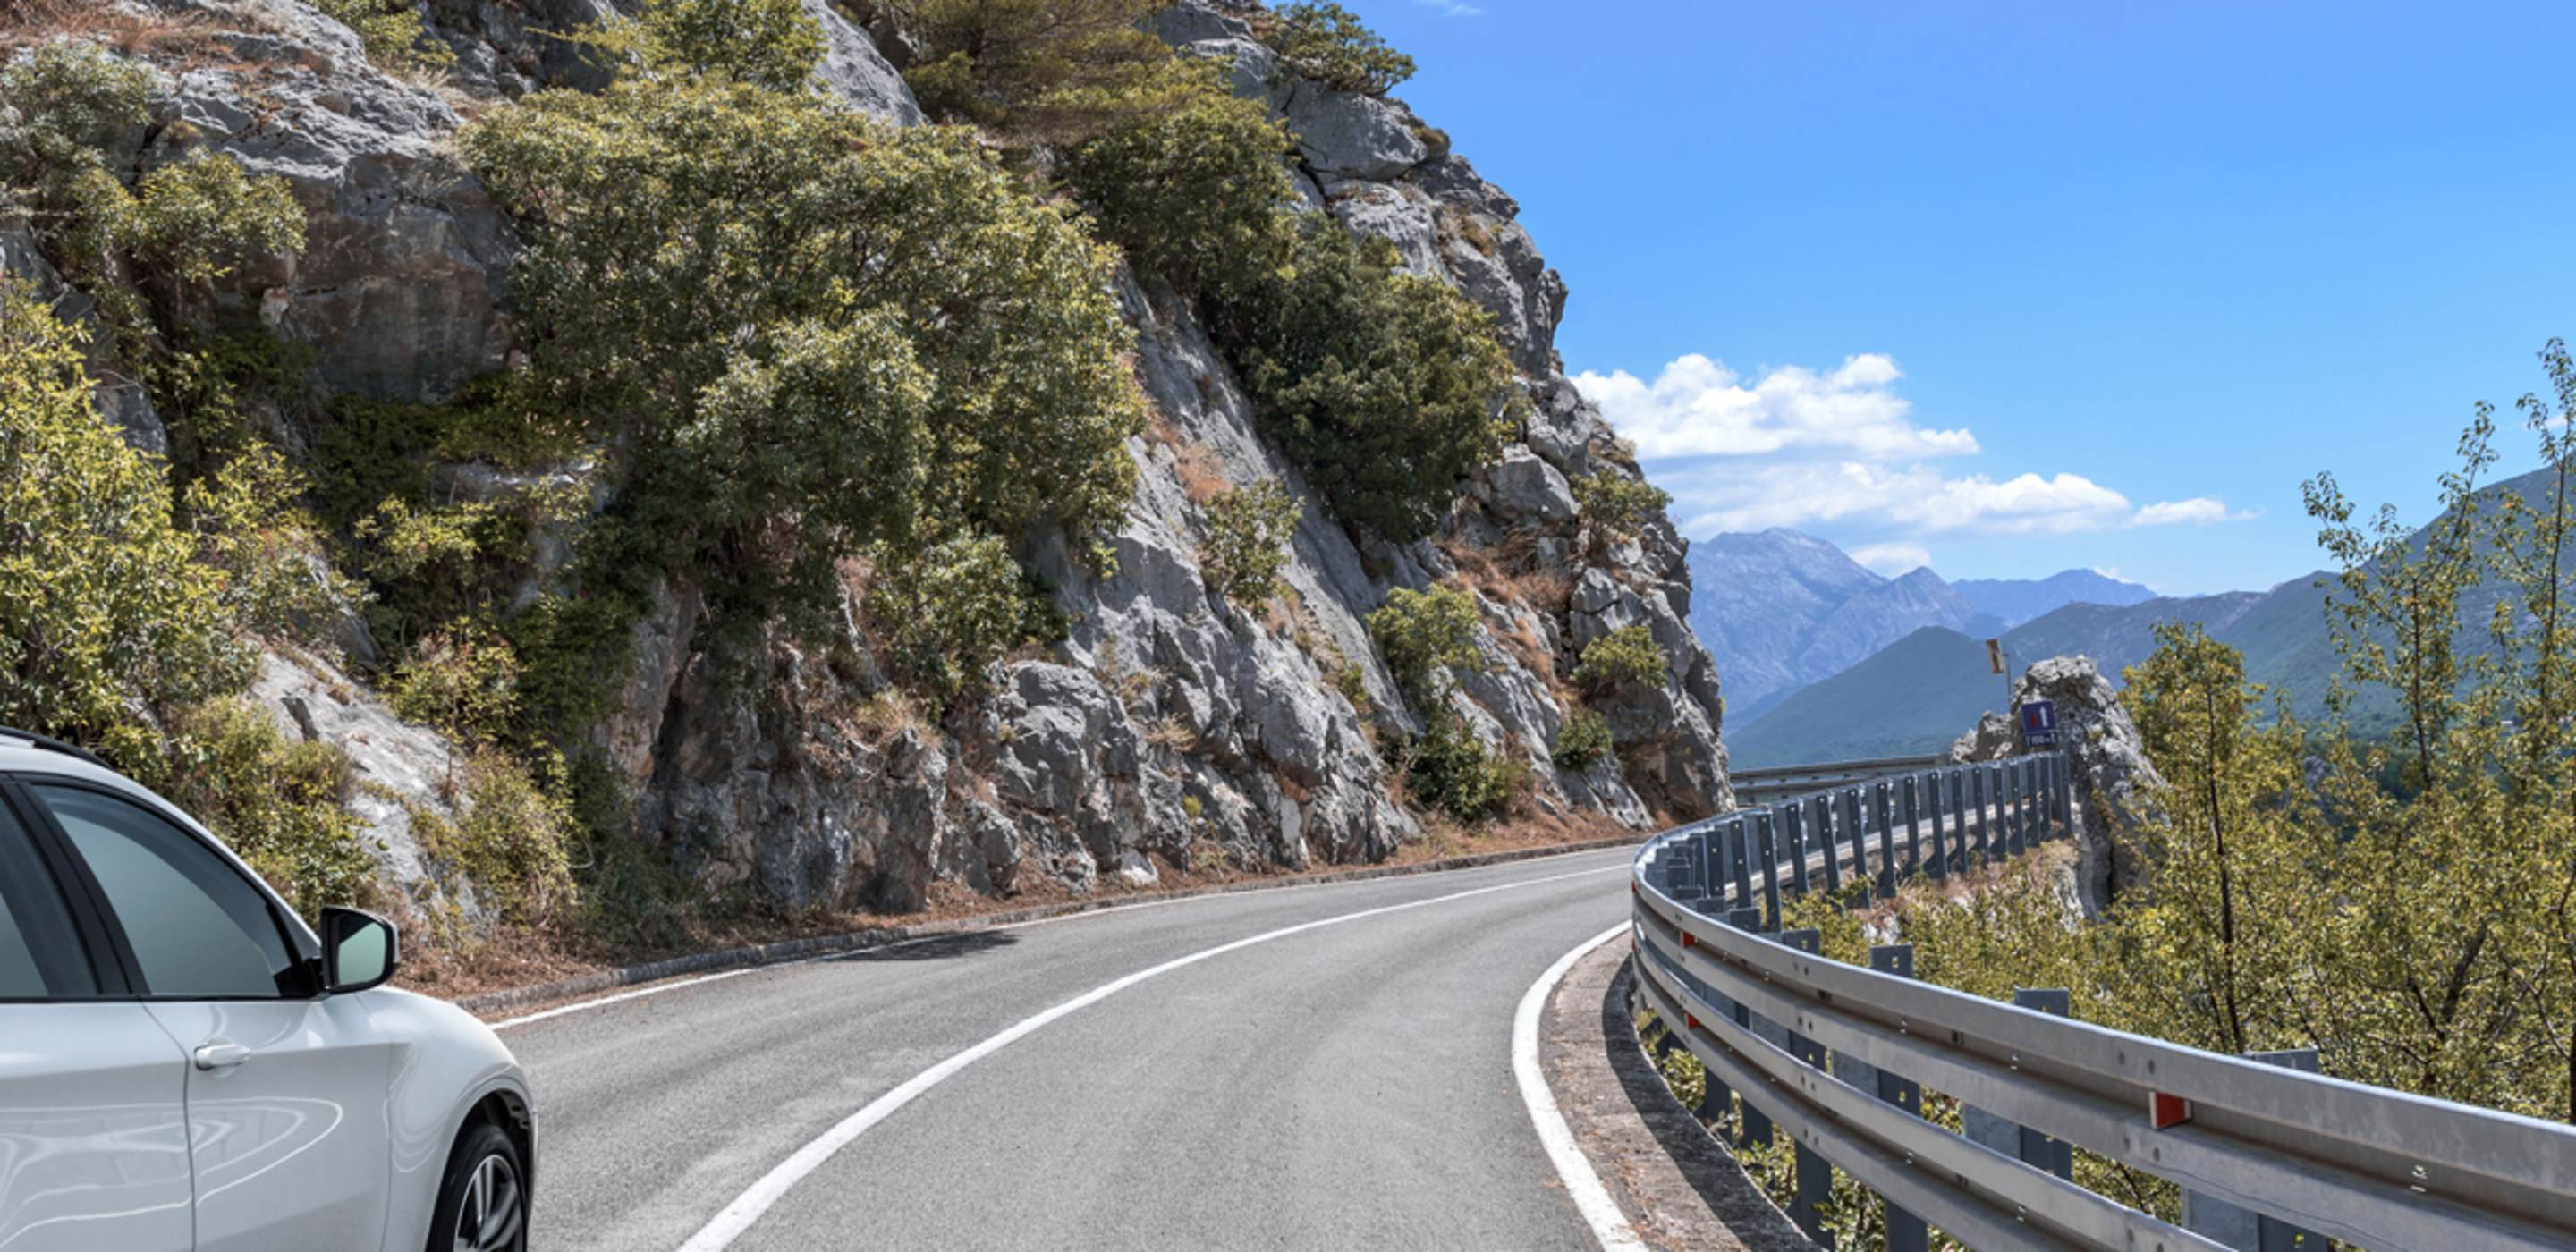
[[1678, 1186]]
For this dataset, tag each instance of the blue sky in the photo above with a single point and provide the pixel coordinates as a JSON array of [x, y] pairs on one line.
[[2164, 260]]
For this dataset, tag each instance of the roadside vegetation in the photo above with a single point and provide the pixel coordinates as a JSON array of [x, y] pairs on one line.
[[820, 369], [2403, 903]]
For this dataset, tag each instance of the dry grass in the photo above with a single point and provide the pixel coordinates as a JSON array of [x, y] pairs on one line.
[[1202, 475], [24, 23]]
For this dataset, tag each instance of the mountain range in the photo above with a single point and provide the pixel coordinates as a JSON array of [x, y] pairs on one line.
[[1781, 610], [1928, 686]]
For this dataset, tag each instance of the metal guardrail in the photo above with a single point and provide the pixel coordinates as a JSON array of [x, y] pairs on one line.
[[2268, 1157], [1779, 781]]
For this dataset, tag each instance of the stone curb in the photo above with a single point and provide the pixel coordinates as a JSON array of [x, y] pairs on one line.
[[878, 936]]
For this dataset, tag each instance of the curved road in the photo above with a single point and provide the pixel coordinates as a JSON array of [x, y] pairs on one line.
[[1319, 1066]]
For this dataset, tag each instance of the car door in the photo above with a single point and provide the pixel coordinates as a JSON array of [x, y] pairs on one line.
[[93, 1115], [286, 1088]]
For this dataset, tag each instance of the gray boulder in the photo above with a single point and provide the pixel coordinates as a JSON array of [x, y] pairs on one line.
[[1346, 135], [856, 73], [2114, 782]]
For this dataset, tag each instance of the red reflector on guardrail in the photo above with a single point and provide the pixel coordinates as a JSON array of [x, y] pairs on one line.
[[2167, 1110], [1690, 1020], [1689, 940]]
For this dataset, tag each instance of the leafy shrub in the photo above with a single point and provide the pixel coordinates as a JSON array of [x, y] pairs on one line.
[[1046, 70], [463, 680], [276, 802], [1423, 634], [1385, 388], [103, 600], [1330, 44], [1582, 739], [770, 44], [950, 611], [1452, 770], [515, 838], [805, 332], [1626, 657], [1617, 502], [1194, 192], [1248, 532], [391, 31], [189, 220]]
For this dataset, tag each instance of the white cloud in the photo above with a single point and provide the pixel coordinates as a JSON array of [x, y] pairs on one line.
[[1892, 558], [1452, 8], [1699, 407], [2196, 511], [1798, 447]]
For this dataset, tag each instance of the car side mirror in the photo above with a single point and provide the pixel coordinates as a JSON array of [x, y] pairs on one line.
[[359, 950]]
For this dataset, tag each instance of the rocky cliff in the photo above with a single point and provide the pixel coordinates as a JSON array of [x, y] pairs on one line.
[[1166, 727]]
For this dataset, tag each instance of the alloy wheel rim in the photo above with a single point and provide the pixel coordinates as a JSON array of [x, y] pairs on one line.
[[487, 1213]]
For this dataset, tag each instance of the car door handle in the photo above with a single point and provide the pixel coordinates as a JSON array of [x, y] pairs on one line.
[[221, 1056]]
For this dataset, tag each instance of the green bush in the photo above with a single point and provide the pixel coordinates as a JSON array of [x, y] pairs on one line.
[[950, 611], [1329, 44], [805, 333], [1194, 192], [1248, 533], [278, 803], [1617, 502], [1582, 739], [1385, 388], [391, 31], [463, 680], [515, 839], [103, 598], [1626, 657], [770, 44], [1424, 634], [188, 221], [1452, 770], [1050, 71]]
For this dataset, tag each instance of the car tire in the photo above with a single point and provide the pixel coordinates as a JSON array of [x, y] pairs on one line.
[[483, 1202]]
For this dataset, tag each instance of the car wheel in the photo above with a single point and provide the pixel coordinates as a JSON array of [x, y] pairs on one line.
[[483, 1204]]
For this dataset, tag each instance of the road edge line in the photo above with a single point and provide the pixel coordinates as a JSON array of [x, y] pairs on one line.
[[1610, 1226], [735, 1218], [586, 990]]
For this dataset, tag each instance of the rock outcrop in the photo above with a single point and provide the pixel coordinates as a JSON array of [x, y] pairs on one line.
[[1169, 727], [2113, 778]]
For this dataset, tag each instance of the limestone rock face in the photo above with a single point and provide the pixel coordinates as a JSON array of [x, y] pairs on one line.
[[1170, 727], [397, 768], [2114, 781]]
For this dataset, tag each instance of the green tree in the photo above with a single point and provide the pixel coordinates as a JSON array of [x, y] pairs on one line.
[[1195, 192], [1248, 529], [770, 44], [805, 332], [1452, 770], [391, 31], [1619, 503], [1051, 71], [1626, 657], [1330, 44], [1583, 739], [1385, 388], [1425, 634]]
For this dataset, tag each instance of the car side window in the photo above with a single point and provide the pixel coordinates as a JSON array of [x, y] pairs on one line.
[[41, 957], [197, 928]]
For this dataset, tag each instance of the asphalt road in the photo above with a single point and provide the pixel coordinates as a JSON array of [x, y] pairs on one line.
[[1344, 1085]]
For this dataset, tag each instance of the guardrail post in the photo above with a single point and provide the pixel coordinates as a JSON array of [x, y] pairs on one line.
[[1856, 822], [1815, 1174], [1905, 1231], [1770, 848], [1823, 840], [2245, 1229], [1882, 816], [1954, 789], [2031, 1147], [1796, 815], [1752, 1125], [1909, 804], [2009, 794], [1741, 854], [1931, 788]]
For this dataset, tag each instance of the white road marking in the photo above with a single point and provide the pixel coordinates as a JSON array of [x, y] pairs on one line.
[[1609, 1225], [737, 1217], [578, 1006]]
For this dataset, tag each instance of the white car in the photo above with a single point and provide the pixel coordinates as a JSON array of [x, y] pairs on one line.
[[184, 1064]]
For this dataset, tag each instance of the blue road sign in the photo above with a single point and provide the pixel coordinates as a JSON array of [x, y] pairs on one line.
[[2039, 723]]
